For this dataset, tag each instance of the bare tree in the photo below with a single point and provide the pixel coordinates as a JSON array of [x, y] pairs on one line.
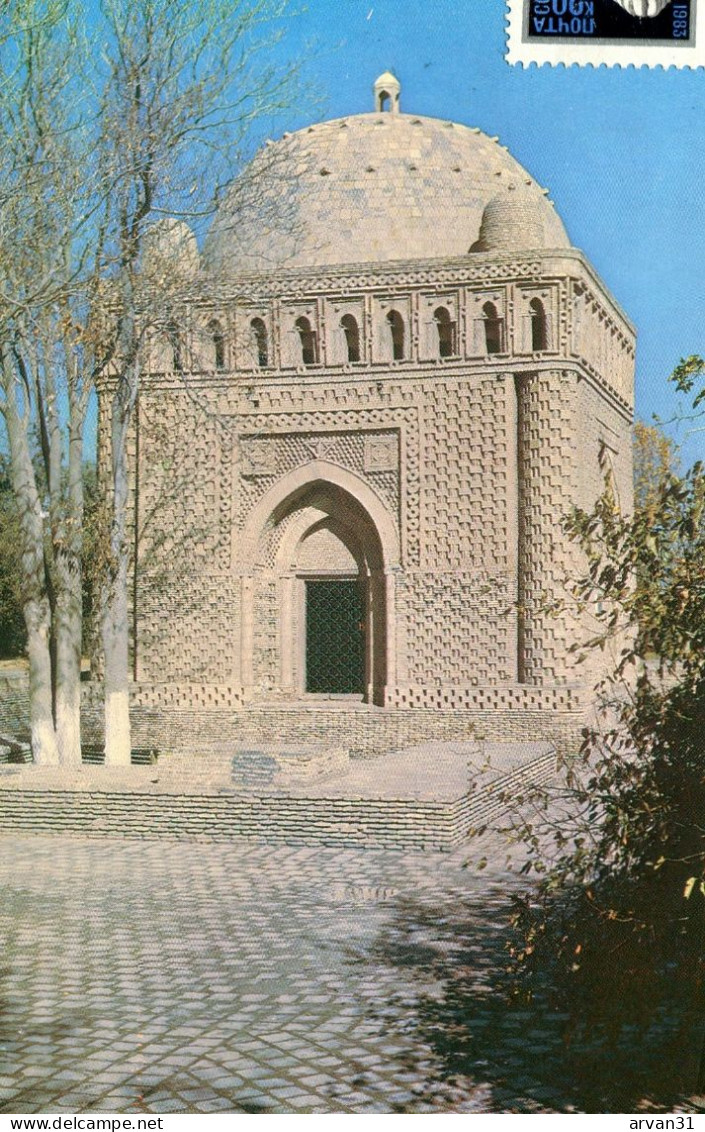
[[44, 364], [184, 85], [107, 126]]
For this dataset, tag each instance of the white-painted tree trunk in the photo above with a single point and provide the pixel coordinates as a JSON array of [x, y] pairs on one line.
[[36, 606], [116, 676], [115, 611], [45, 751], [67, 688], [117, 727]]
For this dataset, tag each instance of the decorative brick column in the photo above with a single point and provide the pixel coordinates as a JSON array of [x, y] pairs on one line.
[[545, 477]]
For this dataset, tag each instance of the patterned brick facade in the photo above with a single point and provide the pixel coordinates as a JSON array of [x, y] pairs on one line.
[[419, 425]]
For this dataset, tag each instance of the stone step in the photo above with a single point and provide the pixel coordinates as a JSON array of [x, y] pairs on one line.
[[141, 802]]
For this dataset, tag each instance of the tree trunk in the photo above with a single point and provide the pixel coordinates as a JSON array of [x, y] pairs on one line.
[[115, 658], [115, 626], [37, 612], [68, 613], [67, 631], [44, 747]]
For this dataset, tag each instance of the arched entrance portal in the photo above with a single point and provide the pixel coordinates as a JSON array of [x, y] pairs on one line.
[[321, 581]]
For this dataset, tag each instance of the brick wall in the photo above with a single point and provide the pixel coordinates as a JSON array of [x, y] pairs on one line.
[[210, 717], [364, 731], [14, 706]]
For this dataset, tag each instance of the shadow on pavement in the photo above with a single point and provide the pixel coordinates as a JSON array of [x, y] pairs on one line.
[[522, 1058]]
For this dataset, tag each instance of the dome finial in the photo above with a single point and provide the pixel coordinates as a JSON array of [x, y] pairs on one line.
[[387, 89]]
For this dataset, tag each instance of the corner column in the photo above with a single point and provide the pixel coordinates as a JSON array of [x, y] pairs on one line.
[[545, 462]]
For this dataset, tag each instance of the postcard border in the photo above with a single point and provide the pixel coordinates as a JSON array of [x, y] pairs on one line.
[[658, 53]]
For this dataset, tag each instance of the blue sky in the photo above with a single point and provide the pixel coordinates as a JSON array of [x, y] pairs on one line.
[[621, 150]]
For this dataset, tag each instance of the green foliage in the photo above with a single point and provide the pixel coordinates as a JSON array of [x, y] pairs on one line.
[[618, 917], [687, 375], [655, 457], [662, 545]]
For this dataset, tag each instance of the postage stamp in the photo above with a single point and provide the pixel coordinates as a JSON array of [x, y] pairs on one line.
[[653, 33]]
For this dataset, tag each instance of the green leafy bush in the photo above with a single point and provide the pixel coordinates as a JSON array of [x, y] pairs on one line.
[[617, 918]]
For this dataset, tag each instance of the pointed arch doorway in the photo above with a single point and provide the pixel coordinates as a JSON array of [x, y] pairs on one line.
[[334, 590], [333, 625]]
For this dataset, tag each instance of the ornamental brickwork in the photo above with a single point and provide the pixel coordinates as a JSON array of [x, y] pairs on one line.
[[412, 429]]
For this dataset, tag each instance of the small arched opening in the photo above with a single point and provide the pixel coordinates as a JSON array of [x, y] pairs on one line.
[[493, 329], [217, 339], [446, 332], [309, 341], [352, 337], [259, 342], [175, 339], [396, 329], [387, 90], [539, 329]]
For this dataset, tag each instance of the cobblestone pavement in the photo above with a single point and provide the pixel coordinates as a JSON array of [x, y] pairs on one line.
[[165, 977]]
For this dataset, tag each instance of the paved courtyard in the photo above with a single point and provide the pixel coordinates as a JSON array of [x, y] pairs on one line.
[[171, 976]]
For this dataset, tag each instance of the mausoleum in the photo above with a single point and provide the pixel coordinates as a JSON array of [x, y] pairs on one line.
[[351, 462]]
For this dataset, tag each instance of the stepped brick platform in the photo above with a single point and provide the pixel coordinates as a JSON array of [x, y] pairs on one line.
[[427, 796], [316, 772]]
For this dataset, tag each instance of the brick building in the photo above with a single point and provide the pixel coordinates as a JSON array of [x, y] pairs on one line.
[[350, 473]]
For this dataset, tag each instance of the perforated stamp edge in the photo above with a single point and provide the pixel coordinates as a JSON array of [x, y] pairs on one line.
[[645, 53]]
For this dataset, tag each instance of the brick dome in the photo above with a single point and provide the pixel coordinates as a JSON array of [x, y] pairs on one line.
[[373, 188]]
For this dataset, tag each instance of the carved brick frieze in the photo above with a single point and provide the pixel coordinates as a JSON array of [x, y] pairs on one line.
[[259, 456], [266, 458], [355, 439], [381, 453], [186, 626], [345, 283]]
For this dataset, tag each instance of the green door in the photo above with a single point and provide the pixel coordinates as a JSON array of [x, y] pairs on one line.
[[335, 642]]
